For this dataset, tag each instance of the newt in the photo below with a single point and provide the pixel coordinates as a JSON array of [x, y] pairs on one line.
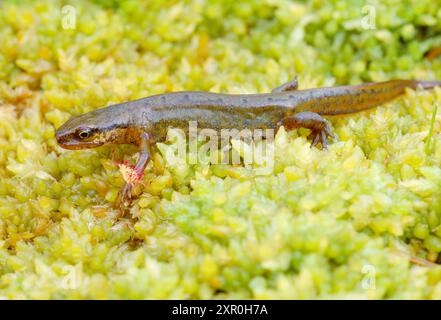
[[145, 121]]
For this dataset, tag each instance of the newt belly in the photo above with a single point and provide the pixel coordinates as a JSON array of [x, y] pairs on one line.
[[145, 121]]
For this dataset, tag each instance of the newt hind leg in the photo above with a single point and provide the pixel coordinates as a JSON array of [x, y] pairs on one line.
[[319, 126]]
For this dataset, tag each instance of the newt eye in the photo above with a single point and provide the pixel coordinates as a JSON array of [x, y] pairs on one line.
[[84, 133]]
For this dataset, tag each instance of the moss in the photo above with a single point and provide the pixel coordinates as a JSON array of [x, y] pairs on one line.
[[335, 224]]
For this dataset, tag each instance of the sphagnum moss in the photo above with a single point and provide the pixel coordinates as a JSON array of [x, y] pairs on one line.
[[335, 224]]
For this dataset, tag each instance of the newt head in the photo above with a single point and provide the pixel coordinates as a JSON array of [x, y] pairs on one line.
[[93, 129]]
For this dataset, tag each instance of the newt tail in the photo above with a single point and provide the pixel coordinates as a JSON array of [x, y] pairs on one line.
[[351, 99]]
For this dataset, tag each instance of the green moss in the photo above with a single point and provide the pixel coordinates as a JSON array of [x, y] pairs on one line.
[[335, 224]]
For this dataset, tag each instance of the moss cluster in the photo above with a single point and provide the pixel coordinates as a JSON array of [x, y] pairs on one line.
[[346, 223]]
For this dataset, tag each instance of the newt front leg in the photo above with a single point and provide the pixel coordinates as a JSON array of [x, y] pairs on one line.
[[144, 157]]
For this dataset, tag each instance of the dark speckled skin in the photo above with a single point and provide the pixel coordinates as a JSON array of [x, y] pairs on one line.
[[123, 123]]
